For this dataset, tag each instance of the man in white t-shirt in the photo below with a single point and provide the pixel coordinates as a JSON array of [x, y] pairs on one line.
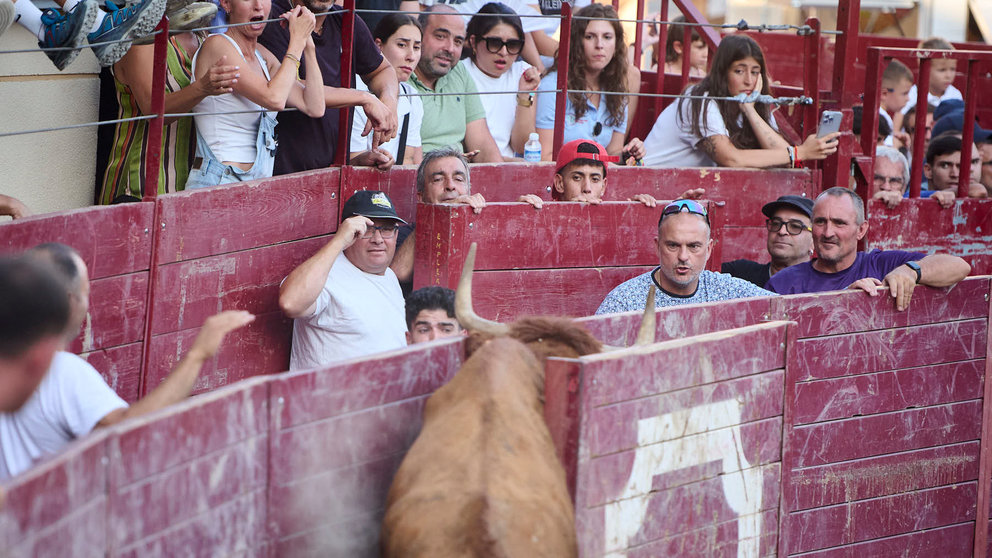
[[73, 399], [34, 309], [345, 301]]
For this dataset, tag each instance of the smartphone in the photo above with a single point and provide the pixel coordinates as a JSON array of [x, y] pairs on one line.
[[829, 123]]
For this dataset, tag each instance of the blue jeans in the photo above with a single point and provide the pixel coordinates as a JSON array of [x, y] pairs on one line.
[[211, 172]]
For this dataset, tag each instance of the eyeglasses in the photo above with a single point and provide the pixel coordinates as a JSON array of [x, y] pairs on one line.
[[386, 231], [494, 44], [896, 181], [793, 226], [684, 206]]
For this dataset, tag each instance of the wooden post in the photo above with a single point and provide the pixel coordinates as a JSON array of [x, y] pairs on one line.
[[154, 149]]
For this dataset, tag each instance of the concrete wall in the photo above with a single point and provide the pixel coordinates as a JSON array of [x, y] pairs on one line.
[[50, 171]]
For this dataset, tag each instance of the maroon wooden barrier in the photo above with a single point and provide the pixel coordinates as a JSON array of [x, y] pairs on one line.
[[337, 437], [921, 224], [115, 243], [883, 423], [576, 253], [229, 248], [679, 446]]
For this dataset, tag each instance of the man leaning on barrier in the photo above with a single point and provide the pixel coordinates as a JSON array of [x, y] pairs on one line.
[[838, 224], [309, 143], [345, 301], [442, 177], [73, 399], [891, 180], [790, 240], [684, 247]]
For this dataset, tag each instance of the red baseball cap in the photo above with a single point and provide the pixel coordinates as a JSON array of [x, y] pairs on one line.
[[583, 149]]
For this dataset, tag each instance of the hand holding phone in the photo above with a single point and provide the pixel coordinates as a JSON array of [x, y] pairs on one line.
[[829, 123]]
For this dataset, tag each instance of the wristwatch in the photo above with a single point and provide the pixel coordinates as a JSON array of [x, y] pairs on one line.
[[525, 102], [916, 267]]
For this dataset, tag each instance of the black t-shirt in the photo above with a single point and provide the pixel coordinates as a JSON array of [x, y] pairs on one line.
[[371, 20], [308, 143], [749, 271]]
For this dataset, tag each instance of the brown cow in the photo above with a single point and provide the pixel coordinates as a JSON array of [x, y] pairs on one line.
[[483, 477]]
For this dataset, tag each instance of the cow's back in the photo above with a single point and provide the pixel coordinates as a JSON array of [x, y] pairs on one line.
[[483, 479]]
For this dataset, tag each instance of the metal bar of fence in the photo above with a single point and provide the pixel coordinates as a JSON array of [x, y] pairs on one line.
[[638, 35], [923, 87], [659, 104], [686, 57], [811, 84], [869, 115], [153, 159], [562, 95], [347, 50], [968, 130]]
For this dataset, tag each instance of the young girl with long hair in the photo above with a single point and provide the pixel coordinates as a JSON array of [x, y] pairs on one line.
[[700, 132]]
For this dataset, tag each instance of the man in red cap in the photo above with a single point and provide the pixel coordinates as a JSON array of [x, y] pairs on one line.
[[581, 176]]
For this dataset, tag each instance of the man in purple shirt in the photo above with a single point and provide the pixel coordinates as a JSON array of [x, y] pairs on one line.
[[838, 224]]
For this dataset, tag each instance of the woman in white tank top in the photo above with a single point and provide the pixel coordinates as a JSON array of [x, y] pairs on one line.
[[239, 144]]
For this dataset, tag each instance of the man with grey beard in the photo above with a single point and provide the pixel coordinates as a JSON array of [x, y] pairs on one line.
[[457, 121], [309, 143]]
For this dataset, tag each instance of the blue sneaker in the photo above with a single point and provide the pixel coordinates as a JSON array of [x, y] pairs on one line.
[[122, 25], [67, 31]]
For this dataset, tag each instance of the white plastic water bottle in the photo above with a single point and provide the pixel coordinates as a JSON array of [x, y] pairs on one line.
[[532, 149]]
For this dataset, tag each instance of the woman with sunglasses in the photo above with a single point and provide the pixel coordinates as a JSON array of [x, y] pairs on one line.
[[399, 37], [495, 39], [597, 61], [699, 132]]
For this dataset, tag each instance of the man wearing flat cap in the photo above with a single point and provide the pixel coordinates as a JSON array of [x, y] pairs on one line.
[[790, 240], [345, 301]]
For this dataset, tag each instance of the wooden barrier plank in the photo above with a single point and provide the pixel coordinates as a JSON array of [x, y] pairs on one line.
[[692, 440], [854, 438], [508, 295], [954, 540], [873, 351], [676, 322], [717, 540], [400, 184], [874, 477], [120, 367], [882, 392], [112, 240], [116, 314], [613, 428], [198, 223], [191, 291], [58, 505], [820, 314], [863, 520], [708, 359], [745, 243], [960, 230], [261, 347]]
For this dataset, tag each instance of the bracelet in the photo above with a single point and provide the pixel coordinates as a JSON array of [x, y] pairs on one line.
[[799, 162], [296, 59], [792, 156], [527, 102]]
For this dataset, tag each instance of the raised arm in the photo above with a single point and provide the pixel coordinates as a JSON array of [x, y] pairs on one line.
[[298, 293], [477, 136], [725, 154], [381, 108], [307, 96], [523, 120], [179, 383]]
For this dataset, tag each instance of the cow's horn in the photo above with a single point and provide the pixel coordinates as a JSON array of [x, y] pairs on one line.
[[645, 336], [464, 313]]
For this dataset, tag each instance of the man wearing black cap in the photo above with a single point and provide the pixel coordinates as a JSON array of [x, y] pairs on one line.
[[790, 240], [345, 300]]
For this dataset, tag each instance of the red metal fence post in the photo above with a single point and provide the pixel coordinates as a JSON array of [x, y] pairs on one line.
[[811, 84], [869, 114], [686, 56], [659, 88], [562, 95], [347, 49], [968, 129], [923, 87], [154, 149], [639, 34]]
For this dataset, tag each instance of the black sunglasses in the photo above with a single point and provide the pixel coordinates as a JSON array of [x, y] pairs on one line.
[[494, 44]]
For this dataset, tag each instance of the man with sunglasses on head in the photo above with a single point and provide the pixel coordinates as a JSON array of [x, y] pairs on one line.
[[345, 300], [790, 240], [684, 247], [838, 224]]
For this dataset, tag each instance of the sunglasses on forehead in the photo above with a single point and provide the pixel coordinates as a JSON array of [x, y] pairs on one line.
[[494, 44], [684, 206]]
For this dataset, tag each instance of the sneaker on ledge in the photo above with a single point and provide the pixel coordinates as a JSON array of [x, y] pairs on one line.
[[7, 15], [185, 18], [67, 31], [122, 25]]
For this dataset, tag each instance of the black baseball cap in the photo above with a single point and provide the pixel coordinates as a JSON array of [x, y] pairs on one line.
[[370, 203], [799, 203]]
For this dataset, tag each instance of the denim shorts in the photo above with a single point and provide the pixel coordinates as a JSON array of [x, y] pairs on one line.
[[208, 171]]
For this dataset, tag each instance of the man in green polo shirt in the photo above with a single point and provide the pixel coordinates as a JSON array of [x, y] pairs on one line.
[[450, 120]]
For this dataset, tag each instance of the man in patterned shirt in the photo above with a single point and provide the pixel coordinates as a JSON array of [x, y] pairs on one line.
[[684, 246]]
